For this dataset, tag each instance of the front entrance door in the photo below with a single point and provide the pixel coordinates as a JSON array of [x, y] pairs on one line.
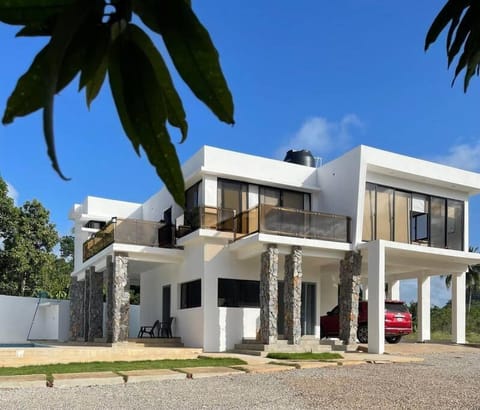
[[307, 316], [166, 303], [307, 312]]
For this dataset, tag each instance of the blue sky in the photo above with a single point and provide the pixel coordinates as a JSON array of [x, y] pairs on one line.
[[321, 75]]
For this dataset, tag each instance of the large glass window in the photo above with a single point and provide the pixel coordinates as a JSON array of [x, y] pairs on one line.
[[191, 294], [238, 293], [384, 213], [402, 216], [412, 218], [369, 213], [455, 218], [192, 201], [284, 198], [232, 199], [437, 217], [419, 218]]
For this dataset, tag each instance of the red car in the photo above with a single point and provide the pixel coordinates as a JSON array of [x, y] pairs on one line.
[[398, 322]]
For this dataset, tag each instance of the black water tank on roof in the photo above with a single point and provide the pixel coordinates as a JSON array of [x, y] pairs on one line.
[[302, 157]]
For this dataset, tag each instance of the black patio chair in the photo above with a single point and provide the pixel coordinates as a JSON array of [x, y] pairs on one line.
[[149, 330], [166, 328]]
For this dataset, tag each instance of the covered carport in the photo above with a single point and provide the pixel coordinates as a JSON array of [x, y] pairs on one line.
[[386, 261]]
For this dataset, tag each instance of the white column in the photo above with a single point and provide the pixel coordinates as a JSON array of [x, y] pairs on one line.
[[423, 308], [394, 290], [376, 301], [458, 308]]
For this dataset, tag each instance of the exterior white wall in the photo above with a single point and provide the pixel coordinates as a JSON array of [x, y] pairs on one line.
[[188, 322], [249, 168], [329, 292], [339, 184], [17, 313], [103, 206], [209, 191], [151, 283], [227, 326]]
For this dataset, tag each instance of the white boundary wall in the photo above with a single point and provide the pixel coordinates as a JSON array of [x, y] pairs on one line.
[[16, 316], [52, 320]]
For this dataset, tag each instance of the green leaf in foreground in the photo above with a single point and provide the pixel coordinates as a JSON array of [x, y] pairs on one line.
[[192, 52], [68, 24], [24, 12], [175, 112], [141, 107], [464, 31]]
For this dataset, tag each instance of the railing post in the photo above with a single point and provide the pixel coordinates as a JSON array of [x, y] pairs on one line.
[[235, 225]]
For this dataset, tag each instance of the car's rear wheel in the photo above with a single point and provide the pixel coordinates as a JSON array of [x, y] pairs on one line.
[[393, 339], [362, 334], [322, 333]]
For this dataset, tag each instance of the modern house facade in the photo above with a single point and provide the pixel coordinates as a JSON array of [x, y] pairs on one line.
[[265, 247]]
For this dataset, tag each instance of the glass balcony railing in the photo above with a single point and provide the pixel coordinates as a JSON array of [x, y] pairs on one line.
[[263, 218], [129, 231], [292, 222], [206, 217]]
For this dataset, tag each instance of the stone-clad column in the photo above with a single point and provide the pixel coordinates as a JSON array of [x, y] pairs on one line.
[[86, 306], [269, 295], [95, 317], [293, 295], [118, 298], [350, 268], [77, 294]]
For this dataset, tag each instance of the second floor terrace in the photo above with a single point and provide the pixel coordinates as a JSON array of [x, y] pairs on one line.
[[260, 219]]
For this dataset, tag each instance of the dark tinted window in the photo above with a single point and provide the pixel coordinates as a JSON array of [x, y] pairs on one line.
[[396, 307], [238, 293], [191, 294]]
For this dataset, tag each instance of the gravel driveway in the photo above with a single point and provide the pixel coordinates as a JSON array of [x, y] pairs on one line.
[[448, 380]]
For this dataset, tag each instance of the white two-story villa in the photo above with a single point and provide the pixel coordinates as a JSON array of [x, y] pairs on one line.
[[262, 245]]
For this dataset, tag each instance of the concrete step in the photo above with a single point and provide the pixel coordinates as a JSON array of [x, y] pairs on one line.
[[283, 348], [249, 352], [255, 341]]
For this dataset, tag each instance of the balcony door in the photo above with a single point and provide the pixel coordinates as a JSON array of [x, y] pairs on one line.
[[232, 199]]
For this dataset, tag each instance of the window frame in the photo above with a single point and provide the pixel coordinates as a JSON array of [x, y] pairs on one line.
[[414, 216], [190, 286]]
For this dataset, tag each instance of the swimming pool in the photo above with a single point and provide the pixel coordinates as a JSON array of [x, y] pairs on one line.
[[22, 345]]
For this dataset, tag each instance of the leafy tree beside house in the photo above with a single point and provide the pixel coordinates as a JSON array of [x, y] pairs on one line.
[[27, 259], [472, 280], [28, 263]]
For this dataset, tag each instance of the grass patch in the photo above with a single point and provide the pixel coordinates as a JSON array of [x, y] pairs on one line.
[[116, 367], [437, 336], [324, 356]]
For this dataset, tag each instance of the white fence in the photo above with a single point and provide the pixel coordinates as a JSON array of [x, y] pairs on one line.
[[50, 322]]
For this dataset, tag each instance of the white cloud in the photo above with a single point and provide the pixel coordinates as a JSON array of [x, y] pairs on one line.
[[12, 192], [321, 136], [465, 156]]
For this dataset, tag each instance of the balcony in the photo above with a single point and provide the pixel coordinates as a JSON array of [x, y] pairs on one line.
[[271, 220], [129, 231], [263, 218], [292, 222]]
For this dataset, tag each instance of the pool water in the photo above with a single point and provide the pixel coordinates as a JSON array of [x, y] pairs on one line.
[[22, 345]]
